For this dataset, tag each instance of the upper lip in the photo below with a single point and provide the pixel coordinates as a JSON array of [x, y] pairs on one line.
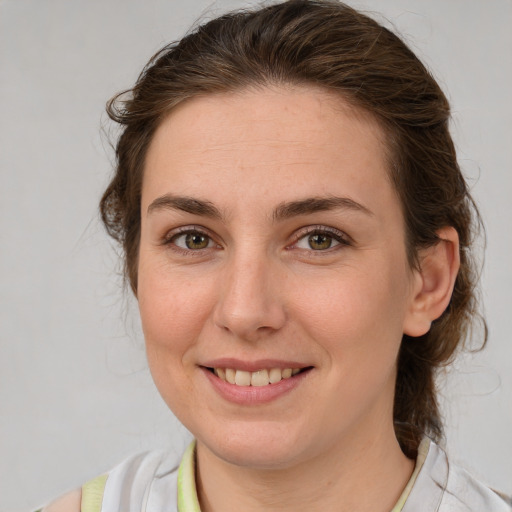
[[252, 366]]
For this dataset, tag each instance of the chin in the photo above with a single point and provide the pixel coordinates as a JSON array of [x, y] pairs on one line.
[[264, 445]]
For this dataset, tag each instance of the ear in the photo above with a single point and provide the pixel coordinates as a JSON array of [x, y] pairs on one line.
[[433, 283]]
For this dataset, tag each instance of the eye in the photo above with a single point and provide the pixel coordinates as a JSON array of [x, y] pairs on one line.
[[317, 242], [320, 239], [192, 241]]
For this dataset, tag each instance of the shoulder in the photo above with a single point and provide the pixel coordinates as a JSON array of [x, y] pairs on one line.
[[69, 502]]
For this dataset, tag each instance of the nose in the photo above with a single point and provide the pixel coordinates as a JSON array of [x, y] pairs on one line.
[[250, 305]]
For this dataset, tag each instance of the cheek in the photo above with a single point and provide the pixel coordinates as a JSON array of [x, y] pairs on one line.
[[173, 309], [356, 312], [173, 312]]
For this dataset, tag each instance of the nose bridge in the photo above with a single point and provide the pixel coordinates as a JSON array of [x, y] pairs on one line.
[[250, 304]]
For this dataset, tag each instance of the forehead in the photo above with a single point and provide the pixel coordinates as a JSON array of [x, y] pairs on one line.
[[275, 142]]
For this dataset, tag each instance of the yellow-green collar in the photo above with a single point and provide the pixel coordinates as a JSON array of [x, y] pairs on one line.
[[187, 493], [420, 459]]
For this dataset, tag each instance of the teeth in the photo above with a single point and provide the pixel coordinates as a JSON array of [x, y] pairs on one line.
[[274, 375], [258, 378], [242, 378], [230, 375]]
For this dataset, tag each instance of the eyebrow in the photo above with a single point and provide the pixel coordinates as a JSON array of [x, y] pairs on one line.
[[283, 211], [185, 204], [318, 204]]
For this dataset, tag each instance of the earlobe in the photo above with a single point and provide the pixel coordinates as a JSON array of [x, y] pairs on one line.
[[434, 282]]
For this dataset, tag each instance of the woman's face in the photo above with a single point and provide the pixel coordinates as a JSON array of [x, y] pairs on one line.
[[272, 240]]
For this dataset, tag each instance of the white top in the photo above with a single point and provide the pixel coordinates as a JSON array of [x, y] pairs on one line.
[[149, 483]]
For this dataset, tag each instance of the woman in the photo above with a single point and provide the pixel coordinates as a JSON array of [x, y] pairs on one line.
[[297, 233]]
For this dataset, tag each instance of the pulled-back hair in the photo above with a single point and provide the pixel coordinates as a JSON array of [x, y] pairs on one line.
[[329, 45]]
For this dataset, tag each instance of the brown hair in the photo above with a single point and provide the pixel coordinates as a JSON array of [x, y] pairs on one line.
[[330, 45]]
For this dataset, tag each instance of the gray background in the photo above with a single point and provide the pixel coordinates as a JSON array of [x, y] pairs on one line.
[[75, 393]]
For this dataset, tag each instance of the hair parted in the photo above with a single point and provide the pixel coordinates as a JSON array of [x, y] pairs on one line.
[[330, 45]]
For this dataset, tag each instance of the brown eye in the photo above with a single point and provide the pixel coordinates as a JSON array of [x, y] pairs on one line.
[[319, 242], [196, 241], [192, 241], [321, 238]]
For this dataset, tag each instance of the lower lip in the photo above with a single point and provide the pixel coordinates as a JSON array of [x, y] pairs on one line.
[[253, 395]]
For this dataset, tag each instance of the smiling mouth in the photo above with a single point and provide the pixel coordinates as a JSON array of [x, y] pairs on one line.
[[258, 378]]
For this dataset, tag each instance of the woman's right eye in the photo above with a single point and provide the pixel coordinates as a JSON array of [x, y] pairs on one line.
[[191, 241]]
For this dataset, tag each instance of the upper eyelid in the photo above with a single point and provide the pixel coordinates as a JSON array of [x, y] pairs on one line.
[[183, 230], [308, 230]]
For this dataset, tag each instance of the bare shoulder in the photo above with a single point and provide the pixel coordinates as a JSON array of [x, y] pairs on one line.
[[69, 502]]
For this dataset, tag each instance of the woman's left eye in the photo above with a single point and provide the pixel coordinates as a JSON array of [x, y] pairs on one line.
[[320, 241]]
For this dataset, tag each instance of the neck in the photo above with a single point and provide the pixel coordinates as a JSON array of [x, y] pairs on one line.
[[356, 475]]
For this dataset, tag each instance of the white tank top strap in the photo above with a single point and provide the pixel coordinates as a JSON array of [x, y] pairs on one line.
[[142, 483], [441, 486]]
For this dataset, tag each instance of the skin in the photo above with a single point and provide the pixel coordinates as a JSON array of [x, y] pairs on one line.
[[258, 290], [67, 503]]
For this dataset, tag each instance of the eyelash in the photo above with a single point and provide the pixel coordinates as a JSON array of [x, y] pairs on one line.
[[341, 238]]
